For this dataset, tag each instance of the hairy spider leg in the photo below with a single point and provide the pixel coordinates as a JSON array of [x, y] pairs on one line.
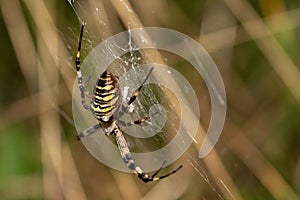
[[95, 127], [124, 107], [127, 158], [88, 131], [137, 122], [83, 91]]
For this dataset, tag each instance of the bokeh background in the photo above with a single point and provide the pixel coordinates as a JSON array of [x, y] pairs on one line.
[[256, 46]]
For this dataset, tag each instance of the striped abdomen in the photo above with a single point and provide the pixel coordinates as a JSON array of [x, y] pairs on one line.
[[106, 96]]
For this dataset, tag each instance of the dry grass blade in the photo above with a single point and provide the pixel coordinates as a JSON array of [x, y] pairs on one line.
[[218, 40], [130, 18], [11, 114], [269, 46], [256, 161], [16, 24], [48, 71], [255, 46], [219, 173]]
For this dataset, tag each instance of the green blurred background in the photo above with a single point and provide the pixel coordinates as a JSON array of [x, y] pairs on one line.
[[256, 46]]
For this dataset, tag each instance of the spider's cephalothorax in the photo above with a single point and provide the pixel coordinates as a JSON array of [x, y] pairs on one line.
[[107, 107]]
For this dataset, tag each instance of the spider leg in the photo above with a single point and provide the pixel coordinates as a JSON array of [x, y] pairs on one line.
[[166, 175], [83, 91], [87, 82], [127, 158], [137, 122], [134, 96], [137, 92], [88, 131]]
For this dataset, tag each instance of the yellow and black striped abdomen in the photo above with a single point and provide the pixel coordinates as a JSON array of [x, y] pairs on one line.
[[106, 96]]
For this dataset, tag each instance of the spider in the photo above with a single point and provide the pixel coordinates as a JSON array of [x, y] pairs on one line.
[[107, 107]]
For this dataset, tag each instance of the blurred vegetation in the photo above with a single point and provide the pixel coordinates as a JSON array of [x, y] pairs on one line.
[[256, 46]]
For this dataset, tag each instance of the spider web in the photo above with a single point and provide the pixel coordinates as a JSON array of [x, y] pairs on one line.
[[150, 95]]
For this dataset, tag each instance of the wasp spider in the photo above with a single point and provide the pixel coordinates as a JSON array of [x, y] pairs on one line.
[[106, 106]]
